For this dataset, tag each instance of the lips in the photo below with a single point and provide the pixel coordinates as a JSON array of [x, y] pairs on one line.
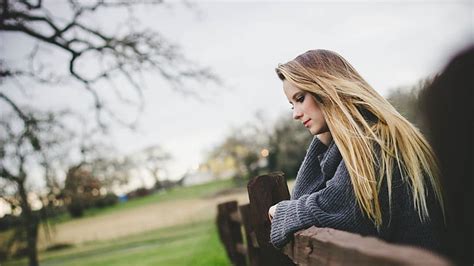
[[305, 123]]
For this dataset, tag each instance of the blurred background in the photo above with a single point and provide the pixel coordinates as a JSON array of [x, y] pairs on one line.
[[124, 123]]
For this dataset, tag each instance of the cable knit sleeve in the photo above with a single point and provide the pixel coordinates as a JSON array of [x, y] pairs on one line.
[[333, 206]]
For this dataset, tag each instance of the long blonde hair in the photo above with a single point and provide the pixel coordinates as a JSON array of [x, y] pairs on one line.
[[346, 99]]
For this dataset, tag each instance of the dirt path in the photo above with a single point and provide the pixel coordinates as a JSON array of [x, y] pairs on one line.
[[140, 219]]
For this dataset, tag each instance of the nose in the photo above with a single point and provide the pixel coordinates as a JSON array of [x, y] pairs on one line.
[[297, 114]]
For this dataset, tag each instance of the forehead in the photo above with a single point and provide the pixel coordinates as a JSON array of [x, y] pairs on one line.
[[290, 89]]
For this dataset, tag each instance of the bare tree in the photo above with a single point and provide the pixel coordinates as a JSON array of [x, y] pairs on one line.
[[111, 57], [246, 147], [105, 163], [26, 144], [154, 159], [115, 60]]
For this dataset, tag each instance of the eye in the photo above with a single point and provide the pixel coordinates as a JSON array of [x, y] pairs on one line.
[[300, 98]]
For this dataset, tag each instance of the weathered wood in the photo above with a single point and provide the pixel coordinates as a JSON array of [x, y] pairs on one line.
[[326, 246], [265, 191], [253, 253], [229, 232], [235, 216], [241, 248]]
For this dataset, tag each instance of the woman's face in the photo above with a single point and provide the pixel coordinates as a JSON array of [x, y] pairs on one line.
[[305, 109]]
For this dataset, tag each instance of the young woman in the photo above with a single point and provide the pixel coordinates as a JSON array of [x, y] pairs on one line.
[[367, 170]]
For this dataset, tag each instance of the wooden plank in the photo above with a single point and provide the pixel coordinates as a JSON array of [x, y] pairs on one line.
[[326, 246], [265, 191], [253, 252], [241, 248], [235, 216], [230, 232]]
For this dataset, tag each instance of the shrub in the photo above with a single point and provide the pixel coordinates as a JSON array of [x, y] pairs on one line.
[[108, 200]]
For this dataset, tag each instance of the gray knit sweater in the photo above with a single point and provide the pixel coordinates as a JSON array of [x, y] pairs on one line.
[[323, 197]]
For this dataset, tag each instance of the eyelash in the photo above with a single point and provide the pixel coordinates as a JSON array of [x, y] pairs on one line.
[[299, 99]]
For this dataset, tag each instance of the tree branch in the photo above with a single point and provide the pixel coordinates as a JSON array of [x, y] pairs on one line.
[[15, 107], [126, 54]]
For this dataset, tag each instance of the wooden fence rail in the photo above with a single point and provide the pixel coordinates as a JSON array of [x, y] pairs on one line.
[[326, 246], [245, 234]]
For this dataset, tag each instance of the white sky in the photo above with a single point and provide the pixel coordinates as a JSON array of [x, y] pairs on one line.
[[390, 43]]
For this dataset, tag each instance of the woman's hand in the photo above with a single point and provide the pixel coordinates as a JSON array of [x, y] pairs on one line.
[[271, 212]]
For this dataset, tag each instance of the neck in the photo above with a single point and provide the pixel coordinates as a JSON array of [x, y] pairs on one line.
[[325, 138]]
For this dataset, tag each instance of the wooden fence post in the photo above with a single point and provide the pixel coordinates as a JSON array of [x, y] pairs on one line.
[[253, 252], [265, 191], [229, 231]]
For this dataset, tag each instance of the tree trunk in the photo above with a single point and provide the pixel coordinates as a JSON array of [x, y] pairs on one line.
[[157, 185], [30, 223]]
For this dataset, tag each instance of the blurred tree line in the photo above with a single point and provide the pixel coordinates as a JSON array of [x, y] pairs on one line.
[[406, 101], [256, 148], [88, 184]]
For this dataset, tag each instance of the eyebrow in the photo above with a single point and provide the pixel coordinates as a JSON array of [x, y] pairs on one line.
[[296, 95]]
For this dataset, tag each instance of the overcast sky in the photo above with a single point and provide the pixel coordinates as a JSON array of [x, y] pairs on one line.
[[390, 43]]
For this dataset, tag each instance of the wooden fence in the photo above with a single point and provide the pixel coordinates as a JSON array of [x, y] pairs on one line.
[[252, 219], [245, 233]]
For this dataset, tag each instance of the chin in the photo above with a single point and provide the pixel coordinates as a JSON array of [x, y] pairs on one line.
[[317, 131]]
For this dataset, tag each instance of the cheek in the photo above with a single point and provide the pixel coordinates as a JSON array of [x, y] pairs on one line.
[[320, 119], [321, 116], [312, 108], [316, 112]]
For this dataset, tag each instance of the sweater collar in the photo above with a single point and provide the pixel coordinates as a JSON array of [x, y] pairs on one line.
[[330, 160]]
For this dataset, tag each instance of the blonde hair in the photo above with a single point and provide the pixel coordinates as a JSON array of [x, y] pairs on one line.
[[346, 100]]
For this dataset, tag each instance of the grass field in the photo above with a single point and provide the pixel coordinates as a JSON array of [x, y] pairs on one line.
[[193, 243], [177, 193]]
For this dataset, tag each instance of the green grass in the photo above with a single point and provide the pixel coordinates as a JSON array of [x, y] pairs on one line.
[[197, 191], [193, 244]]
